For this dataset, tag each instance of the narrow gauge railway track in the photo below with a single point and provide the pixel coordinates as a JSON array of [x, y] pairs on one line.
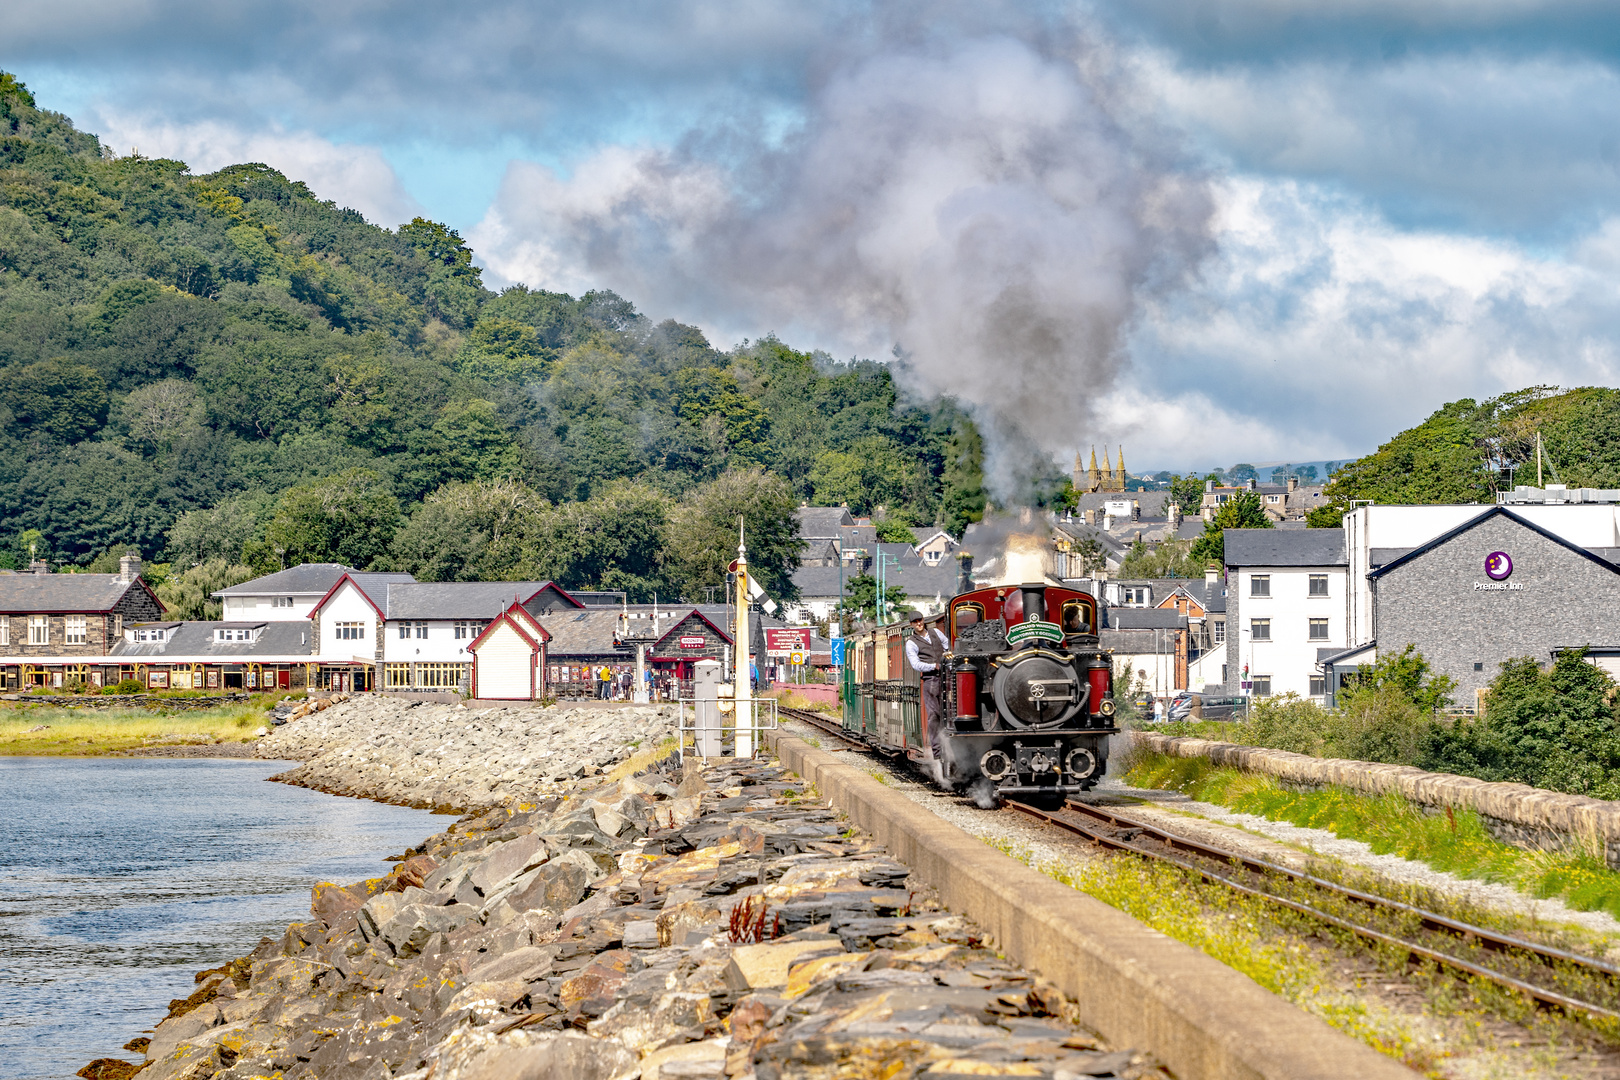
[[826, 725], [1121, 832]]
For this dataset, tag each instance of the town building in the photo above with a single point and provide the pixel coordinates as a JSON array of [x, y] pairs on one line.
[[222, 656], [1288, 502], [1286, 606], [54, 627], [509, 657], [284, 596]]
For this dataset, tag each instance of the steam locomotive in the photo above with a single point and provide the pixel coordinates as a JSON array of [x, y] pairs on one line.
[[1026, 701]]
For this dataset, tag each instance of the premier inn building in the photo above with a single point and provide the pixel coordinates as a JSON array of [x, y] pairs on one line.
[[1469, 586]]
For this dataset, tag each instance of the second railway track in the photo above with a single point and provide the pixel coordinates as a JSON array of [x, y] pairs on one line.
[[1439, 938]]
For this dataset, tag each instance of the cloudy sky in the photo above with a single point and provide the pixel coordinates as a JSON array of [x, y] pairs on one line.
[[1210, 229]]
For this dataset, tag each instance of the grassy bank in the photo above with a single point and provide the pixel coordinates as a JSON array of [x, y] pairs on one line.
[[1455, 842], [48, 731]]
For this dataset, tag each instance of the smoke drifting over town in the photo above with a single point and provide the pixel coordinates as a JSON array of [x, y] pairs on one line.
[[982, 202]]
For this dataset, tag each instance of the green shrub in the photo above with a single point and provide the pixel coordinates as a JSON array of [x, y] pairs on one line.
[[128, 686]]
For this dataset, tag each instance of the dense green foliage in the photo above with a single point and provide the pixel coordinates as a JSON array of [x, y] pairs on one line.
[[1242, 511], [227, 367], [1458, 454], [1169, 559], [1556, 727]]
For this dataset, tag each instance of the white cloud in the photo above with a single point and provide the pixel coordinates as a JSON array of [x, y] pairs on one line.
[[350, 175], [1321, 329]]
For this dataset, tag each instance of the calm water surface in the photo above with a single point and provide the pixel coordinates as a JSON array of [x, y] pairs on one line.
[[120, 878]]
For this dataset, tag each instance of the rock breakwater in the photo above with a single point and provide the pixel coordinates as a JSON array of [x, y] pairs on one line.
[[453, 757], [729, 924]]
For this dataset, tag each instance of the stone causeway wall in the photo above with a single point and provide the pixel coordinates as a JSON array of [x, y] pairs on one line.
[[1516, 814]]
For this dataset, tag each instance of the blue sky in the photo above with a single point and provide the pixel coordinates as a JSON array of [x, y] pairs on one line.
[[1221, 229]]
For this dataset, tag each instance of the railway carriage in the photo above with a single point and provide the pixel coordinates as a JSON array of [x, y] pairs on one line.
[[1026, 701]]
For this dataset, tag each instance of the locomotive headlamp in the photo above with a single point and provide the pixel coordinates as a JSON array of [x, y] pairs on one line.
[[1081, 763], [995, 764], [1106, 708]]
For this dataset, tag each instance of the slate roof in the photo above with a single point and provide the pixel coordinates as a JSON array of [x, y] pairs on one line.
[[1136, 641], [820, 521], [1152, 502], [305, 579], [195, 640], [587, 632], [1285, 547], [913, 575], [41, 594], [1124, 618], [453, 599]]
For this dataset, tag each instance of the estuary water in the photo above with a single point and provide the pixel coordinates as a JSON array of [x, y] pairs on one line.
[[122, 877]]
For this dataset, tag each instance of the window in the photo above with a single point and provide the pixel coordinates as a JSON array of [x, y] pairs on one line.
[[149, 635], [74, 627], [1273, 498], [409, 629], [234, 633], [1319, 586], [1260, 585], [1218, 632], [421, 630], [1318, 686], [5, 630], [1262, 686], [39, 630], [465, 631], [1137, 596], [397, 676], [351, 631], [1479, 666], [282, 601], [1260, 629], [441, 676], [1319, 629]]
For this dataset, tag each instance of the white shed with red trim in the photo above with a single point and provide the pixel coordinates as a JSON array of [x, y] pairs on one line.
[[509, 657]]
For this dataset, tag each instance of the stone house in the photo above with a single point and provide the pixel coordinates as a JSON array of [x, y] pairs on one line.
[[64, 617]]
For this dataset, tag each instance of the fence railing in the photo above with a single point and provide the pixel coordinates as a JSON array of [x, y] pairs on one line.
[[705, 730]]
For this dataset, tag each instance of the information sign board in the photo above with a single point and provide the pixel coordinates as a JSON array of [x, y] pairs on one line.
[[786, 640]]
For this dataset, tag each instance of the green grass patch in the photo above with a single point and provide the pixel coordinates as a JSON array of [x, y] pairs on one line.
[[1456, 843], [50, 731]]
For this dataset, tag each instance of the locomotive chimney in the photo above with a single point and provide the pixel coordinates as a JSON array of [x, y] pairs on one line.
[[1034, 602]]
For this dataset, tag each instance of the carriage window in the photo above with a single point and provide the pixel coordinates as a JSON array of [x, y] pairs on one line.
[[1076, 617], [967, 615], [1012, 606]]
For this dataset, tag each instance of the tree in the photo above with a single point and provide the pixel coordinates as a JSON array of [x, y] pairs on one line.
[[57, 399], [703, 533], [860, 597], [1167, 559], [614, 541], [1187, 492], [349, 518], [895, 530], [1242, 511], [1442, 460], [220, 533], [486, 530], [963, 500], [872, 473], [499, 348], [1240, 472], [190, 593]]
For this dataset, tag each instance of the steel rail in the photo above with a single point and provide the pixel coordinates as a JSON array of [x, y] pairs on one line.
[[1490, 939], [826, 725], [1549, 997]]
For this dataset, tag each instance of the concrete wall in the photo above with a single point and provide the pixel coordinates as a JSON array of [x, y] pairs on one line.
[[1440, 603], [1514, 813]]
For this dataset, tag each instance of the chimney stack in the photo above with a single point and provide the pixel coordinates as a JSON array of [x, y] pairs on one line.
[[1212, 575], [1293, 484], [129, 568], [1136, 509], [1173, 512]]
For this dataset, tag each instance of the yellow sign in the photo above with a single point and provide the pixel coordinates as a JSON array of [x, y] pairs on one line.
[[796, 658]]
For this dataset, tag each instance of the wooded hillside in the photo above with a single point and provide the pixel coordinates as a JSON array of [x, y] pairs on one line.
[[226, 368]]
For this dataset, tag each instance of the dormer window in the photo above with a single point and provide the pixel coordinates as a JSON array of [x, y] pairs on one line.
[[144, 635], [236, 633]]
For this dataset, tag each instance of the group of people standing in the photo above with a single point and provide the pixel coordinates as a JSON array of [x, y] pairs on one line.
[[620, 685]]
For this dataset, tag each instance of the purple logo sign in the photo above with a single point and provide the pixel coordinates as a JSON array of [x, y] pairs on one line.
[[1498, 566]]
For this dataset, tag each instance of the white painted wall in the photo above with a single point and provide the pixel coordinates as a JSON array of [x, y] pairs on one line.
[[504, 668], [440, 646], [347, 604], [1290, 656], [264, 609]]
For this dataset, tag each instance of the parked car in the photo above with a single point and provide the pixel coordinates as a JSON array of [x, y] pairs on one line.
[[1191, 706]]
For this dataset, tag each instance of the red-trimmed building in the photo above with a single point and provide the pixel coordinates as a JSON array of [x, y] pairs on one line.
[[509, 657]]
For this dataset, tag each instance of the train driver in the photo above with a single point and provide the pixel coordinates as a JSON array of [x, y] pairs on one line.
[[925, 652]]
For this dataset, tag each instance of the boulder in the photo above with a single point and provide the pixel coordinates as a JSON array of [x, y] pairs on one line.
[[566, 1054], [413, 924], [508, 861], [756, 967], [528, 963], [180, 1029]]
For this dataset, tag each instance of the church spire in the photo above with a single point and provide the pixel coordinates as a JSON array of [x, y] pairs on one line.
[[1121, 479], [1094, 476]]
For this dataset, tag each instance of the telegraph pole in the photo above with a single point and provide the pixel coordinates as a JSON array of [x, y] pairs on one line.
[[742, 689]]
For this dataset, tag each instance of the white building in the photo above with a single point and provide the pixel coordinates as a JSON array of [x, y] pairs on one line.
[[1286, 607], [390, 632], [509, 657], [285, 596]]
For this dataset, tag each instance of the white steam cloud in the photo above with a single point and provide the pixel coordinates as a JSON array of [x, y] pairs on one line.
[[988, 204]]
